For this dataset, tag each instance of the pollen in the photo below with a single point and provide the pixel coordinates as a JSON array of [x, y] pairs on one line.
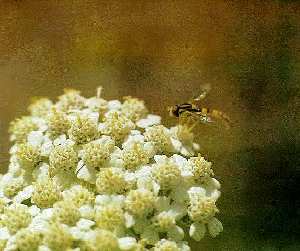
[[140, 202], [102, 240], [13, 187], [109, 217], [95, 154], [202, 209], [166, 174], [28, 156], [159, 136], [63, 158], [70, 100], [27, 240], [134, 156], [164, 221], [46, 193], [134, 109], [15, 217], [20, 128], [83, 130], [117, 126], [200, 168], [58, 123], [111, 181], [57, 237], [79, 195], [66, 212], [166, 245]]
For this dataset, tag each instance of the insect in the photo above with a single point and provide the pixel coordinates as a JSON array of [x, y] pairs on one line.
[[191, 113]]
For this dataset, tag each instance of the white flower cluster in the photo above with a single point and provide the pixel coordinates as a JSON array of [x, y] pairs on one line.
[[95, 175]]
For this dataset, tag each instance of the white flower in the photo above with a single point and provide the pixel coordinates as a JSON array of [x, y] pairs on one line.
[[150, 235], [4, 233], [41, 124], [95, 103], [197, 231], [40, 221], [82, 227], [117, 200], [86, 173], [114, 105], [24, 194], [116, 158], [42, 171], [86, 211], [129, 220], [212, 187], [182, 163], [127, 243], [144, 179], [85, 224], [35, 138], [181, 148], [196, 192], [44, 248], [133, 138], [63, 141], [46, 147], [150, 120], [34, 210], [94, 116], [214, 227]]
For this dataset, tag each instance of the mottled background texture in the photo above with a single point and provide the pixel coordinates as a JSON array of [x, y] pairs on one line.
[[162, 51]]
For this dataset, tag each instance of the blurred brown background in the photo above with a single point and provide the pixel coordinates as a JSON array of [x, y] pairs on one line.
[[162, 51]]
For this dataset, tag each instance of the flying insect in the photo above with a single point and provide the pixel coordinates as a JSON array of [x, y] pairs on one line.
[[191, 113]]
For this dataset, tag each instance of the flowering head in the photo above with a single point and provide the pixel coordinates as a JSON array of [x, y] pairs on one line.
[[165, 221], [79, 195], [89, 174]]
